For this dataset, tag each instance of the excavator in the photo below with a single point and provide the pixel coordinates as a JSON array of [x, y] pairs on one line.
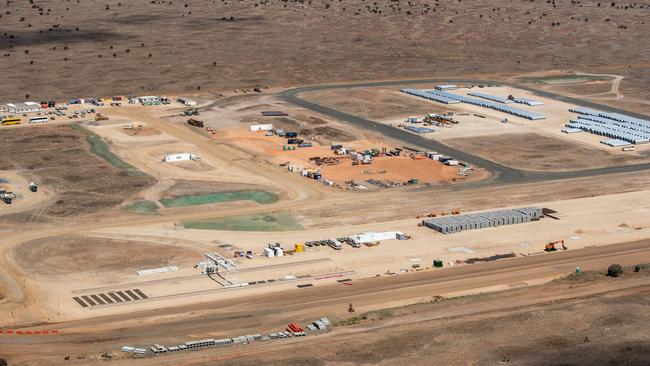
[[550, 247]]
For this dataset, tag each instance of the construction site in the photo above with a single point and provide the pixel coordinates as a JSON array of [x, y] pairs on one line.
[[433, 217]]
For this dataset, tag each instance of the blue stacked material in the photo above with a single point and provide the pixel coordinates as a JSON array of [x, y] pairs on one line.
[[490, 97], [419, 130], [445, 97]]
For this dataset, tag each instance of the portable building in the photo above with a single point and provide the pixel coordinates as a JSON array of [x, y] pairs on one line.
[[279, 252], [170, 158], [371, 236], [16, 108], [268, 252], [264, 127], [149, 99], [446, 87], [187, 101]]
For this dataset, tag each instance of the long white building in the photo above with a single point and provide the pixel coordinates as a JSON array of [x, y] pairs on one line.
[[17, 108]]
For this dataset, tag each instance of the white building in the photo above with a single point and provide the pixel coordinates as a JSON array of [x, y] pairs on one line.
[[187, 101], [371, 236], [149, 99], [17, 108], [444, 87], [170, 158], [266, 127]]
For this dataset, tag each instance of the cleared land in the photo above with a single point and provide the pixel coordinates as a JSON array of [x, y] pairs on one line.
[[80, 255], [60, 158], [604, 330], [532, 151], [374, 103]]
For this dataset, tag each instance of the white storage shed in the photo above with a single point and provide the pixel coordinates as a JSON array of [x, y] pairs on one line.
[[371, 236], [170, 158], [265, 127]]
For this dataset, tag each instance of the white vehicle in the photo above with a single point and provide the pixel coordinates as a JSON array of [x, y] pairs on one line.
[[38, 120]]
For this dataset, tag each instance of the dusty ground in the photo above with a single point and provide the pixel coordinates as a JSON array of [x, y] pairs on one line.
[[379, 104], [49, 153], [18, 183], [286, 43], [604, 330], [196, 187], [145, 131], [398, 169], [80, 255], [533, 151]]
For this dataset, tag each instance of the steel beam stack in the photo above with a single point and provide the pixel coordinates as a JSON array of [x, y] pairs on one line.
[[455, 224]]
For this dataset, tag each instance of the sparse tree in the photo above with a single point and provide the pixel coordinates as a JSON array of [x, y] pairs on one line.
[[615, 270]]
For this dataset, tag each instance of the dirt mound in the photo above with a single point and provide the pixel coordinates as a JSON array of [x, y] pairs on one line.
[[334, 133], [140, 131], [77, 254], [311, 119]]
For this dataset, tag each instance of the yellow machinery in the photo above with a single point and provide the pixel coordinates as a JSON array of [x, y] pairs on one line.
[[299, 248]]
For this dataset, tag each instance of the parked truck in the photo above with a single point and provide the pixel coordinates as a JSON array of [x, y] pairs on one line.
[[195, 122]]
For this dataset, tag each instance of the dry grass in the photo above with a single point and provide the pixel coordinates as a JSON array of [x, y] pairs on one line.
[[49, 153], [89, 48], [79, 255]]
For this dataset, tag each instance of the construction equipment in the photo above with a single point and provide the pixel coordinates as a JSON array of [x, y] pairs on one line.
[[100, 117], [438, 120], [195, 122], [550, 247], [350, 308], [190, 112]]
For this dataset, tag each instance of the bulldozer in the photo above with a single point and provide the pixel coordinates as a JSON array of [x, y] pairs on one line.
[[551, 247], [100, 117]]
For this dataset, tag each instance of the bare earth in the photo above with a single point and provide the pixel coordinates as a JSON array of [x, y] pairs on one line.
[[59, 158], [73, 239], [604, 330], [532, 151], [85, 255], [292, 43]]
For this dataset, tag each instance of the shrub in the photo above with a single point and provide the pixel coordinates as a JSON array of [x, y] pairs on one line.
[[615, 270]]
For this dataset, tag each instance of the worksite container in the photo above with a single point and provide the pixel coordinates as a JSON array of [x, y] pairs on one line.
[[268, 252], [437, 263], [278, 252], [291, 134]]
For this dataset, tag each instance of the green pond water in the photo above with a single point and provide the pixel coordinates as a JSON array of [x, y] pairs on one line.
[[100, 148], [203, 199], [143, 207], [278, 221]]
